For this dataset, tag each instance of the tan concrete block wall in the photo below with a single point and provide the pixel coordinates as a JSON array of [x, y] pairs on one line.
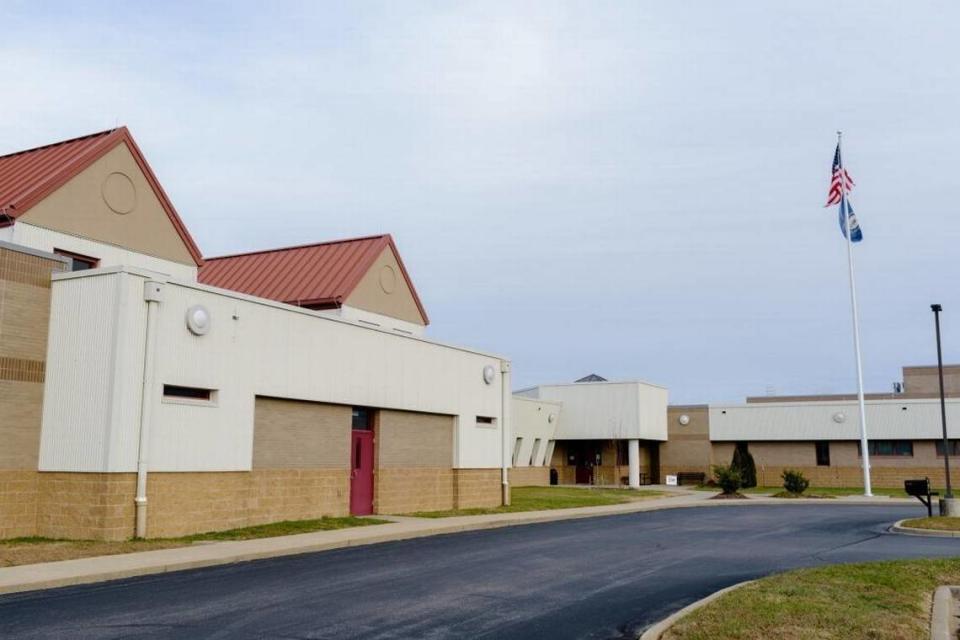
[[185, 503], [24, 319], [529, 476], [477, 488], [925, 381], [86, 506], [21, 409], [291, 434], [100, 505], [407, 439], [414, 489], [18, 503], [880, 477]]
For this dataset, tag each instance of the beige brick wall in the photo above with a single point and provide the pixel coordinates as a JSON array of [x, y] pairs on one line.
[[406, 439], [18, 503], [87, 506], [529, 476], [24, 317], [184, 503], [477, 488], [291, 434], [688, 447], [407, 490], [100, 505]]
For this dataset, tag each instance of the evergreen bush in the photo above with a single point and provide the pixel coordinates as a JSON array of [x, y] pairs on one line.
[[728, 478], [794, 481], [743, 462]]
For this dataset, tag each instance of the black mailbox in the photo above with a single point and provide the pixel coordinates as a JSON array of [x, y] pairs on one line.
[[920, 489], [917, 487]]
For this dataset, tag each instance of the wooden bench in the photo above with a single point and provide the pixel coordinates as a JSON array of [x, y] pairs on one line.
[[691, 477]]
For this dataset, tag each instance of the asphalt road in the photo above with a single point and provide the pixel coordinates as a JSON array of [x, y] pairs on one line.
[[604, 577]]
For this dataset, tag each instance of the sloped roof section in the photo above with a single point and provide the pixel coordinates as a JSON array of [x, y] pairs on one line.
[[27, 177], [592, 378], [319, 274]]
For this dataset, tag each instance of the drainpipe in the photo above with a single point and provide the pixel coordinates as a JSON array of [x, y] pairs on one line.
[[505, 430], [152, 295]]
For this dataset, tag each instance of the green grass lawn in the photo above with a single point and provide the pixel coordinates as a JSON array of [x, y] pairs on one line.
[[540, 498], [819, 491], [936, 523], [18, 551], [285, 528], [877, 600]]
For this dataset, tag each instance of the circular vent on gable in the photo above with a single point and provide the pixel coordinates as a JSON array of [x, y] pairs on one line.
[[119, 193], [388, 279]]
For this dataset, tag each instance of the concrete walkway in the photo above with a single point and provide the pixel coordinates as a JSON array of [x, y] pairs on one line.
[[98, 569]]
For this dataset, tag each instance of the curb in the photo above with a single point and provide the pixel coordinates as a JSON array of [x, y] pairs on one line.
[[913, 531], [659, 628], [64, 573], [942, 624]]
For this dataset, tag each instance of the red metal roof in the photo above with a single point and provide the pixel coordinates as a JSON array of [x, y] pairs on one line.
[[27, 177], [319, 274]]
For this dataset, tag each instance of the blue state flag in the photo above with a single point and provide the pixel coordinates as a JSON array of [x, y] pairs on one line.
[[856, 234]]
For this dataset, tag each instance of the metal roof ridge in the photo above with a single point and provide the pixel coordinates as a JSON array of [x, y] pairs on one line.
[[54, 144], [296, 246]]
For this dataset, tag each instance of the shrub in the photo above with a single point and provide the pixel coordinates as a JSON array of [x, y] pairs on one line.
[[743, 462], [794, 481], [728, 478]]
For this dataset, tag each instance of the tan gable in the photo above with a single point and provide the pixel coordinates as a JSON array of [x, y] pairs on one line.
[[384, 290], [112, 201]]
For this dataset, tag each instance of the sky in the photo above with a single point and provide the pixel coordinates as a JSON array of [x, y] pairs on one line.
[[629, 189]]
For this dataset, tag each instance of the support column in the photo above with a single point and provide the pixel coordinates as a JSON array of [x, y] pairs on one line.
[[633, 454]]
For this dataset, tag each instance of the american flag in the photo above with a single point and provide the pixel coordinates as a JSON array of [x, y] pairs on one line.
[[840, 181]]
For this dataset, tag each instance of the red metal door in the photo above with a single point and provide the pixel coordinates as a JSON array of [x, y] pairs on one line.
[[361, 473]]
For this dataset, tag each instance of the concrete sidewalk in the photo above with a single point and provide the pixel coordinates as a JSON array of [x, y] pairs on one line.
[[97, 569]]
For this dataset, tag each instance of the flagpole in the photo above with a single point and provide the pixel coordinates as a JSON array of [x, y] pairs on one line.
[[845, 211]]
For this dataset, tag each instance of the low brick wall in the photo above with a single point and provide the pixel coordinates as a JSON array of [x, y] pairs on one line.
[[414, 489], [18, 503], [529, 476], [100, 506], [477, 488], [880, 476], [86, 506], [185, 503]]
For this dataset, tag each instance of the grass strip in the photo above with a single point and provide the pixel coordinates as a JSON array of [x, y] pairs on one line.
[[545, 498], [876, 600]]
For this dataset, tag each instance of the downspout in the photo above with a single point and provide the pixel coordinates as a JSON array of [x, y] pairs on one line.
[[152, 295], [505, 430]]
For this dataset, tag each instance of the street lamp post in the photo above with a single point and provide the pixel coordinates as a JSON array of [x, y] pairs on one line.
[[936, 308]]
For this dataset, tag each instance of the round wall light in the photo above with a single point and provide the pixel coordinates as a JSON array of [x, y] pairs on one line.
[[839, 417], [684, 419], [551, 418], [198, 320], [488, 374]]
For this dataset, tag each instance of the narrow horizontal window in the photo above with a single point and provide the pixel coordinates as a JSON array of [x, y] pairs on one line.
[[486, 422], [191, 395], [78, 262], [891, 448], [954, 448]]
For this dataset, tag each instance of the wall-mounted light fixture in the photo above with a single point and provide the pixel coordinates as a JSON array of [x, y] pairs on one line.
[[488, 374], [198, 320]]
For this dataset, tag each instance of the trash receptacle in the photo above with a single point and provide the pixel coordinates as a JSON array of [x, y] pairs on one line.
[[554, 477]]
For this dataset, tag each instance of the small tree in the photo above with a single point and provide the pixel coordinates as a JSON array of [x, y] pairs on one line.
[[794, 481], [743, 462], [728, 478]]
